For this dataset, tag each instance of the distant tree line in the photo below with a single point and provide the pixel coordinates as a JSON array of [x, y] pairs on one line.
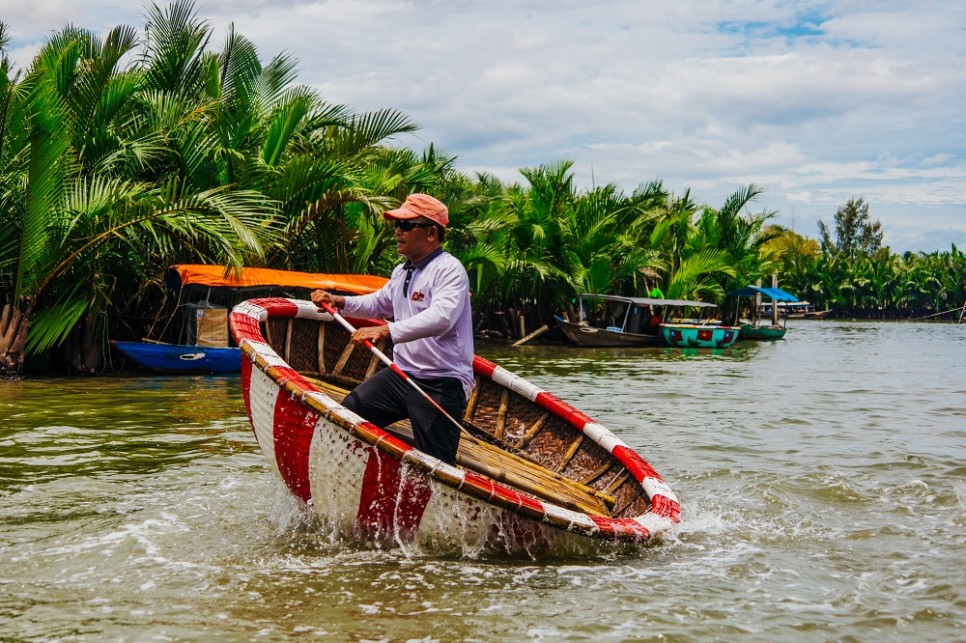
[[123, 155], [851, 272]]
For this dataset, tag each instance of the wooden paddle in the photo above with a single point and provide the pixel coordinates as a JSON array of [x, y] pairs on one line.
[[392, 365], [598, 498]]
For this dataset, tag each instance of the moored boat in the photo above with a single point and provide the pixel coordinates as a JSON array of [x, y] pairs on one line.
[[685, 329], [796, 310], [757, 326], [764, 332], [203, 344], [181, 358], [613, 321], [685, 335], [533, 472]]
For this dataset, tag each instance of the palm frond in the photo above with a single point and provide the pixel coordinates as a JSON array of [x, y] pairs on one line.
[[366, 130], [50, 326], [285, 121], [174, 52]]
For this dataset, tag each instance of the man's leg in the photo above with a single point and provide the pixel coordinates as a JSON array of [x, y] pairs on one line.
[[435, 434], [381, 399]]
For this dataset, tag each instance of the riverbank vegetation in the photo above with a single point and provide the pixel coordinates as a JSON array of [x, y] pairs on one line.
[[123, 155]]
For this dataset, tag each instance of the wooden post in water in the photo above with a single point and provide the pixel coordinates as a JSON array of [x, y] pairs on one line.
[[774, 304], [756, 307]]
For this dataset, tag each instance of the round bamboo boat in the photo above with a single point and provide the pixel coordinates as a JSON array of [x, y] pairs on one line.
[[532, 471]]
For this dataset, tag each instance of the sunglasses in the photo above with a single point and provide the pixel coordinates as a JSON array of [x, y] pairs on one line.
[[406, 225]]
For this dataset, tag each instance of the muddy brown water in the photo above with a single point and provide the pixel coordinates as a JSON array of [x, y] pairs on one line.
[[822, 478]]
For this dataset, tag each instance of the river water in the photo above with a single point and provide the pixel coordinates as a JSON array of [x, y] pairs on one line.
[[822, 478]]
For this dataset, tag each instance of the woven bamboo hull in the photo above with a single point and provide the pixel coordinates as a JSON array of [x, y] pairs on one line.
[[534, 472]]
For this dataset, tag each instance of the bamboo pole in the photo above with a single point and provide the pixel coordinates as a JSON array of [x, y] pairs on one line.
[[945, 312], [539, 331]]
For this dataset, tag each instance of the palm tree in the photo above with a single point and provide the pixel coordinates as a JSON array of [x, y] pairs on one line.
[[743, 236], [534, 256], [14, 139], [480, 232], [78, 219]]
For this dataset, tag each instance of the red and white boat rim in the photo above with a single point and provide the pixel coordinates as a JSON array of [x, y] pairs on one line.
[[245, 321]]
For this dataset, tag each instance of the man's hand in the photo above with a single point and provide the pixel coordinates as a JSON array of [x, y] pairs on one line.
[[321, 296], [370, 333]]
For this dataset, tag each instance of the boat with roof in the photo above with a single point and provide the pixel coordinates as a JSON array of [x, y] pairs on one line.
[[205, 294]]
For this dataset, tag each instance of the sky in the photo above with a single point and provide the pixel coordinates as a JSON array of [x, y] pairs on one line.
[[817, 102]]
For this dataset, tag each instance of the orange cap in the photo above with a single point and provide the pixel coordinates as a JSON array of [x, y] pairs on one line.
[[420, 205]]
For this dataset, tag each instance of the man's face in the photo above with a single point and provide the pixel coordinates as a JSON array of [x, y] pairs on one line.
[[418, 241]]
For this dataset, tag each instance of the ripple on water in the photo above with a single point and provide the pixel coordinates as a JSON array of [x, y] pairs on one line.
[[822, 482]]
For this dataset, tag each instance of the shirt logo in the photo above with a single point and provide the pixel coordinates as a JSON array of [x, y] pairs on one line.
[[418, 296]]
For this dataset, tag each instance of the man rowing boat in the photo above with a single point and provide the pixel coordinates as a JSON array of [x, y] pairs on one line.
[[427, 297]]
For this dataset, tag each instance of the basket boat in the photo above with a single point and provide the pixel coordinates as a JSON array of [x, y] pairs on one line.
[[531, 468]]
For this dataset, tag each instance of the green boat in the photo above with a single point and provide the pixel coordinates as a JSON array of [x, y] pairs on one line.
[[756, 327], [693, 324], [699, 335], [767, 332]]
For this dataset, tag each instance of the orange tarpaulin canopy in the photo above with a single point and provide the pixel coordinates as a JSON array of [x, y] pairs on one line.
[[185, 274]]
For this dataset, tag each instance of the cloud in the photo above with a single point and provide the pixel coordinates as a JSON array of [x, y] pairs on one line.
[[817, 103]]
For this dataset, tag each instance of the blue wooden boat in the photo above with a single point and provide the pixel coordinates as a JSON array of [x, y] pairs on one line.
[[182, 358], [203, 344]]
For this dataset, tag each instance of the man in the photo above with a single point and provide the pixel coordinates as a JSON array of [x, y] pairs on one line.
[[427, 297]]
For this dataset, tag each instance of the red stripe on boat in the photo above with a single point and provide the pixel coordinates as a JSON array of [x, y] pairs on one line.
[[279, 306], [552, 404], [245, 326], [564, 411], [514, 497], [532, 503], [634, 463], [390, 504], [285, 374], [475, 480], [294, 424], [505, 493], [622, 526], [484, 366], [390, 439], [664, 506], [579, 419]]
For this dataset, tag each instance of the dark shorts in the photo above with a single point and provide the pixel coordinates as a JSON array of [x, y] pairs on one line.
[[385, 398]]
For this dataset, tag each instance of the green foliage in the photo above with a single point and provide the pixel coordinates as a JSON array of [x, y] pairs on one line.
[[111, 173], [855, 231]]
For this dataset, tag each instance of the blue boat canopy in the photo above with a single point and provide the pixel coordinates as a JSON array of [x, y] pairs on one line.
[[773, 293]]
